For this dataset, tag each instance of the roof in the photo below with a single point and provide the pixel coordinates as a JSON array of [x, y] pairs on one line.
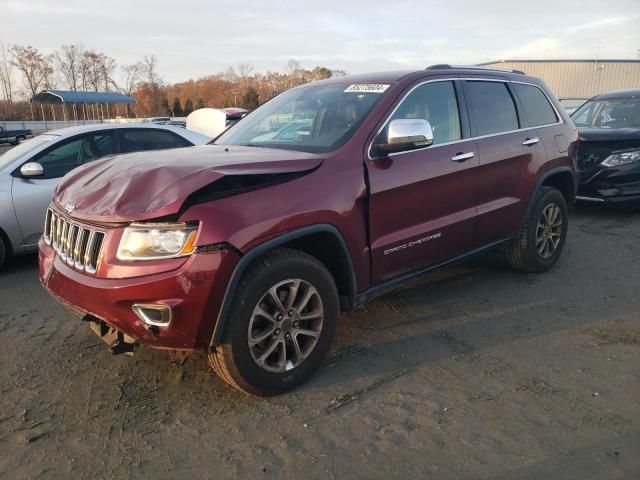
[[629, 93], [559, 60], [194, 137], [67, 96]]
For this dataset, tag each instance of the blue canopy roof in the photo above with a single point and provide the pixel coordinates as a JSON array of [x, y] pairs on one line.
[[67, 96]]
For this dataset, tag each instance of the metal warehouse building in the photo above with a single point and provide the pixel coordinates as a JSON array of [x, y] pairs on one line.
[[578, 79]]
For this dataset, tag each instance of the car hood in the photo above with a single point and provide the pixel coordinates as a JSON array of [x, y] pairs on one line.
[[608, 134], [146, 185]]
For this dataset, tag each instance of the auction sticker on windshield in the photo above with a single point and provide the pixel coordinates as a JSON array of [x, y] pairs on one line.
[[367, 88]]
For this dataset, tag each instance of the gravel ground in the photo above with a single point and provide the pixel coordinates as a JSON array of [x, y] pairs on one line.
[[474, 372]]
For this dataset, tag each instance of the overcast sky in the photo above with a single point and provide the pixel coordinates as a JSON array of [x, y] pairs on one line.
[[193, 38]]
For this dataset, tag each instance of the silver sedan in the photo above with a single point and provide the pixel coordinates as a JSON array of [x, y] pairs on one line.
[[30, 172]]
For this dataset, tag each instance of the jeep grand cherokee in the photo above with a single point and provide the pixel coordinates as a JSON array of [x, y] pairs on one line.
[[249, 248]]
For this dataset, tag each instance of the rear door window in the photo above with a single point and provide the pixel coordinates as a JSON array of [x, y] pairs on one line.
[[537, 109], [491, 108], [97, 146], [149, 139]]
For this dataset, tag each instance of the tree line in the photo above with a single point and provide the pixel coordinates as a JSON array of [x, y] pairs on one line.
[[25, 71]]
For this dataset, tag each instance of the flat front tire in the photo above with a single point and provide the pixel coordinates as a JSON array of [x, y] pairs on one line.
[[281, 324]]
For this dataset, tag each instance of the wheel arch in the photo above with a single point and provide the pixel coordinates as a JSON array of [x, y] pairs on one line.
[[323, 241], [561, 178]]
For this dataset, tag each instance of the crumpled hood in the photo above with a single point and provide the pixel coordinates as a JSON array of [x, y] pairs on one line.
[[608, 134], [146, 185]]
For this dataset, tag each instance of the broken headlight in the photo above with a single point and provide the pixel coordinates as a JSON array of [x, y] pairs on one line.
[[621, 158]]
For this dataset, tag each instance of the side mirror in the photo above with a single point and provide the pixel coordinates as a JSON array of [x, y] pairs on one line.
[[407, 134], [32, 169]]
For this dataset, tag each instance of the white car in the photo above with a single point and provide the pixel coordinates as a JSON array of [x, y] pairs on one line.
[[30, 172]]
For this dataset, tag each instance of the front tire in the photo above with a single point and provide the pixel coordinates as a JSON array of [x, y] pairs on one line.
[[281, 324], [543, 235]]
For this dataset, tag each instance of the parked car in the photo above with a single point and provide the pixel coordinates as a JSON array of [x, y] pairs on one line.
[[29, 172], [14, 137], [609, 152], [254, 247], [287, 131], [234, 115]]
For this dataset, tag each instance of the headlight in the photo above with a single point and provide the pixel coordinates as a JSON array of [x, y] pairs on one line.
[[151, 241], [621, 158]]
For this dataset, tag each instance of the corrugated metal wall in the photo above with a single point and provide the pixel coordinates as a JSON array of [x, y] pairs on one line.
[[579, 79]]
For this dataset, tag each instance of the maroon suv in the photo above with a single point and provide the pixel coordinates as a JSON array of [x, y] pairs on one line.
[[250, 247]]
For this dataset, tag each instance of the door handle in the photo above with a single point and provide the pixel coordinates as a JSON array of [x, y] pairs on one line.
[[461, 157], [530, 141]]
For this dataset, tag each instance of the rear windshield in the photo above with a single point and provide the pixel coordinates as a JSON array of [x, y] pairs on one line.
[[311, 119], [23, 149], [611, 113]]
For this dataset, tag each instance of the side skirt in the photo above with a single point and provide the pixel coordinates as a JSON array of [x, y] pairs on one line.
[[360, 299]]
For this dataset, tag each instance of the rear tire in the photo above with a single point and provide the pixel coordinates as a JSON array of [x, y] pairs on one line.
[[281, 324], [543, 235], [20, 139]]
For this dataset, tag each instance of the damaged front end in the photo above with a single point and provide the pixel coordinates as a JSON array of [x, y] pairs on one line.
[[118, 342]]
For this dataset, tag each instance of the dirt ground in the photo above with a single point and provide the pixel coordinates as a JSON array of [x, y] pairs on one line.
[[474, 372]]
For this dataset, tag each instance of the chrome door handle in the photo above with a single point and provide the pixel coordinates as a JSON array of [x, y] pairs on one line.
[[461, 157], [530, 141]]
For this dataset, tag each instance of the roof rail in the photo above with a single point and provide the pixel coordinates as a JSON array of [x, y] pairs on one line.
[[445, 66]]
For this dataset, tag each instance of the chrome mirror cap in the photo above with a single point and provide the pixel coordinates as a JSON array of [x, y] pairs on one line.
[[416, 131], [406, 134]]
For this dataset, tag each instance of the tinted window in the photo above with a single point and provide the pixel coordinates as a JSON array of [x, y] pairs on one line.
[[96, 146], [435, 102], [148, 139], [536, 105], [61, 159], [491, 108]]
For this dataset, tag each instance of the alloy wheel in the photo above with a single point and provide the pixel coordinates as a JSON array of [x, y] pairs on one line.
[[549, 230], [285, 325]]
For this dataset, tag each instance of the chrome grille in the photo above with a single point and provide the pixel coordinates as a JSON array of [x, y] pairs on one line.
[[76, 244]]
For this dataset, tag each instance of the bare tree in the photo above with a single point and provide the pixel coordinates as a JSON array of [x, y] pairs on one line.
[[245, 69], [6, 79], [69, 63], [33, 65], [108, 66], [152, 81], [133, 74]]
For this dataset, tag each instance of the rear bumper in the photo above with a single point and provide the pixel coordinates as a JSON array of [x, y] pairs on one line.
[[194, 292]]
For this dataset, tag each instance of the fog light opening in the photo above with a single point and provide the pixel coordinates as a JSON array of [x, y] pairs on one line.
[[153, 315]]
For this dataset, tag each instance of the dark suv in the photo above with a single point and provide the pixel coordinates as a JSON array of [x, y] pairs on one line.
[[609, 153], [250, 247]]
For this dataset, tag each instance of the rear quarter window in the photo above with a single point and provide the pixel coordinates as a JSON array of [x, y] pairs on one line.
[[149, 139], [537, 109]]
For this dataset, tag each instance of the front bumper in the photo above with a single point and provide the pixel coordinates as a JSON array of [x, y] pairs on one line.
[[611, 184], [194, 291]]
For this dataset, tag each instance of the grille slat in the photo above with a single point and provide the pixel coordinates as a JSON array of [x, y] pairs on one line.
[[78, 245]]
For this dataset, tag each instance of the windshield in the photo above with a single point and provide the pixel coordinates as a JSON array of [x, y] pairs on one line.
[[23, 149], [311, 119], [612, 113]]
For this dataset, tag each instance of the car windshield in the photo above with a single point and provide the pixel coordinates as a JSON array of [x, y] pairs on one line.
[[611, 113], [23, 149], [313, 119]]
